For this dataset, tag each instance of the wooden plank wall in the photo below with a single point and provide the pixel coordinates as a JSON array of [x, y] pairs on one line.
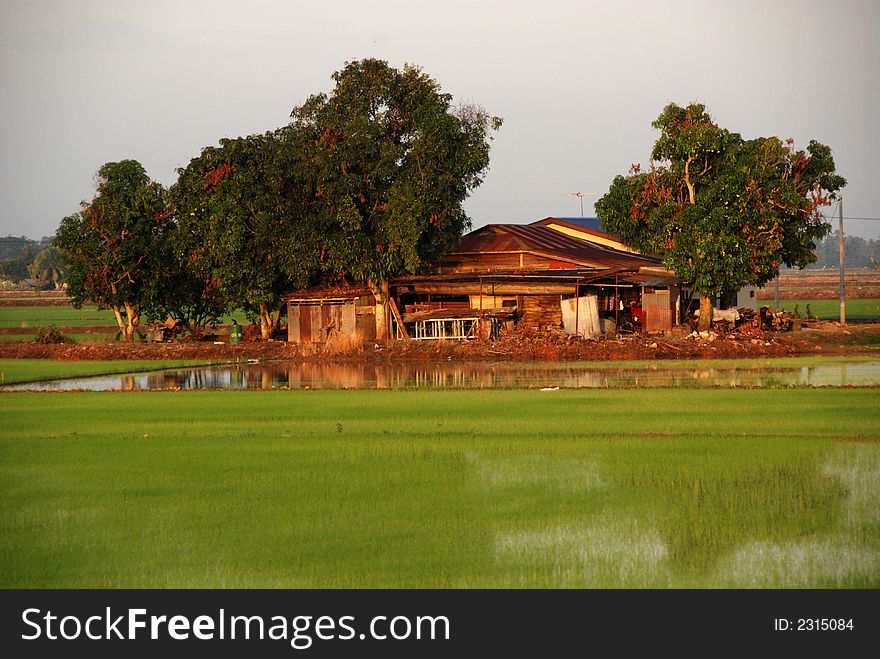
[[541, 311], [365, 319], [309, 323]]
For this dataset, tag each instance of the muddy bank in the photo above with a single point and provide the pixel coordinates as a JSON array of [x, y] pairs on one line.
[[829, 339]]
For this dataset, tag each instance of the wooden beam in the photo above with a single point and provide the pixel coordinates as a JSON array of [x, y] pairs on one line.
[[501, 288], [396, 313]]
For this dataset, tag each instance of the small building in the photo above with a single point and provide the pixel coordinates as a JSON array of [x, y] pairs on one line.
[[316, 315]]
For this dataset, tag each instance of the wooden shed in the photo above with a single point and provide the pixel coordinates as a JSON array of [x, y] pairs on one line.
[[316, 315]]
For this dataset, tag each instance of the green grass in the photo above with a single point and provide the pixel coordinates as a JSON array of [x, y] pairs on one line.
[[637, 488], [830, 309], [101, 337], [54, 315], [40, 316], [33, 370]]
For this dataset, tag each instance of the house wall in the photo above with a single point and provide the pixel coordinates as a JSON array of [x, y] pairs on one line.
[[365, 319], [747, 298]]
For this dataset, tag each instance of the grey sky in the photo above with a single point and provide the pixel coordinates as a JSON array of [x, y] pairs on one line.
[[578, 83]]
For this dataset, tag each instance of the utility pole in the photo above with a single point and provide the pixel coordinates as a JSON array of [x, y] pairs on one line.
[[840, 247], [776, 294]]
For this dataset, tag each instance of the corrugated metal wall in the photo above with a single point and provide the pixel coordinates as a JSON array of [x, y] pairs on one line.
[[581, 315], [657, 311]]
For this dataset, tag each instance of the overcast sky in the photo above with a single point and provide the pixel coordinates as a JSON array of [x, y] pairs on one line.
[[577, 82]]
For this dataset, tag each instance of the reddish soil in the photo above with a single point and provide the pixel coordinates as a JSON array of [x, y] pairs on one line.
[[822, 339], [33, 299], [34, 302]]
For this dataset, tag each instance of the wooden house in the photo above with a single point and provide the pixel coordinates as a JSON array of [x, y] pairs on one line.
[[523, 275], [550, 275]]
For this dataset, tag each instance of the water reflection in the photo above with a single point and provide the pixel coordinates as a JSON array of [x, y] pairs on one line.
[[471, 376]]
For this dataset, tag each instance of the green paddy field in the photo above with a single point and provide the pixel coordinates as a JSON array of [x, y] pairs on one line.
[[663, 488]]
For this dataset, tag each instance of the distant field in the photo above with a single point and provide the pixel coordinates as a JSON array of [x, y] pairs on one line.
[[823, 284], [830, 309], [30, 316], [496, 489], [28, 319]]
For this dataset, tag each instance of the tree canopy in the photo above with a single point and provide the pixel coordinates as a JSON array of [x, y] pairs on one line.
[[246, 223], [365, 183], [393, 161], [109, 243], [723, 212]]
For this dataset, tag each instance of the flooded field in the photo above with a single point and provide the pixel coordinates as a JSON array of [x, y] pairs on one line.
[[475, 376]]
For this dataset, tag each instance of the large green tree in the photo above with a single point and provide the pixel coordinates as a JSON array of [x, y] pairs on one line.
[[179, 289], [393, 161], [245, 221], [723, 212], [109, 243]]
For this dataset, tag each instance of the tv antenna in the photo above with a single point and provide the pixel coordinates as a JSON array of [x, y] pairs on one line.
[[580, 195]]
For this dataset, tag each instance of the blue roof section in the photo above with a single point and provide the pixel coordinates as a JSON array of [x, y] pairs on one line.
[[586, 222]]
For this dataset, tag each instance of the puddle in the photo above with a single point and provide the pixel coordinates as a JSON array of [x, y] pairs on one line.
[[471, 376]]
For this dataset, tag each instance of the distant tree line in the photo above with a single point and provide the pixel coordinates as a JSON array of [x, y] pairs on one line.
[[22, 258], [364, 184], [858, 252]]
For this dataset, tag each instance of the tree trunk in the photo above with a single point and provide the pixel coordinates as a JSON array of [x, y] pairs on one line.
[[132, 320], [268, 321], [265, 323], [689, 183], [704, 324], [380, 293], [119, 321]]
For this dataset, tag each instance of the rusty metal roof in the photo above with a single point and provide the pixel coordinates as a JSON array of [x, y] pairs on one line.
[[544, 241]]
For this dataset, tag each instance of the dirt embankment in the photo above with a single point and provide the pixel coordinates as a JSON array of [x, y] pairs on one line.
[[827, 339]]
